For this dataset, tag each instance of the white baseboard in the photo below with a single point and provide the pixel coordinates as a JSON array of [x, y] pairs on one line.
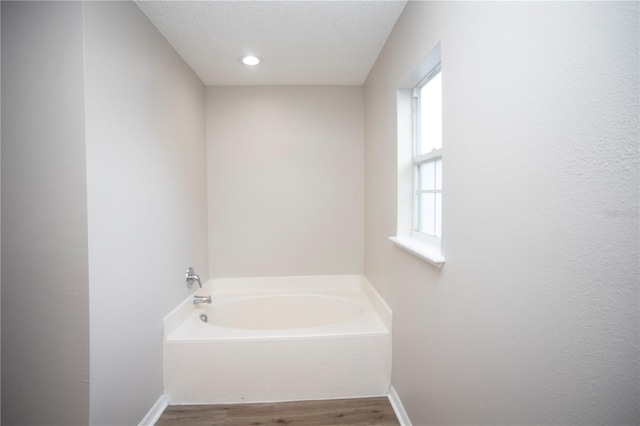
[[155, 412], [396, 404]]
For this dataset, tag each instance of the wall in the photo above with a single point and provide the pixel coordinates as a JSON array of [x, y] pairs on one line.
[[285, 180], [45, 290], [534, 317], [146, 184]]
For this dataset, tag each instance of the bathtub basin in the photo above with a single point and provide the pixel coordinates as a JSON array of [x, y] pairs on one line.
[[282, 311], [279, 339]]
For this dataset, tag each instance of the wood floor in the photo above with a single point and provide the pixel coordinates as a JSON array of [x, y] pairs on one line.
[[363, 411]]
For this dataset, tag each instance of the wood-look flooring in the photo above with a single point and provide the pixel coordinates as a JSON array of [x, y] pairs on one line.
[[362, 411]]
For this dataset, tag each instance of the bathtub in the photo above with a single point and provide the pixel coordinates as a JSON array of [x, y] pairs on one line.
[[278, 339]]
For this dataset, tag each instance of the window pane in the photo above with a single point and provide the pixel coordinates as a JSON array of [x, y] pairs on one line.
[[431, 115], [427, 175], [438, 183], [438, 215], [426, 219]]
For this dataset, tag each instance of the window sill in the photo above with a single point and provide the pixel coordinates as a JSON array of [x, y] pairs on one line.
[[420, 249]]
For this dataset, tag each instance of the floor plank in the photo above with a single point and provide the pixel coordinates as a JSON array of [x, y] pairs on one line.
[[339, 412]]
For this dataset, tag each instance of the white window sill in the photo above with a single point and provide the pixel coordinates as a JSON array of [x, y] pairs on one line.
[[420, 249]]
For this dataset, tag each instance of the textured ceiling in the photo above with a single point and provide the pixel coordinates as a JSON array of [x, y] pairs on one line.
[[301, 42]]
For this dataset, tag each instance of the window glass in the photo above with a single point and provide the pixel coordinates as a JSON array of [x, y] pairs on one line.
[[427, 175], [438, 216], [429, 194], [431, 115], [426, 216]]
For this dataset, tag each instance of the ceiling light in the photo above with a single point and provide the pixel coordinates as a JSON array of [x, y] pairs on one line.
[[250, 60]]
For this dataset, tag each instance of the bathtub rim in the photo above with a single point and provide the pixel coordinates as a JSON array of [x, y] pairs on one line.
[[186, 308]]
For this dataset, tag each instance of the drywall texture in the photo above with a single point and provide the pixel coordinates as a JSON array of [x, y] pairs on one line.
[[534, 317], [302, 42], [146, 184], [45, 290], [285, 180]]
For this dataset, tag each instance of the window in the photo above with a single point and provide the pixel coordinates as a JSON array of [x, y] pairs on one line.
[[420, 161], [427, 155]]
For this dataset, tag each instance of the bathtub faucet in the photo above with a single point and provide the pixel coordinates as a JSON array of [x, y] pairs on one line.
[[192, 277], [201, 299]]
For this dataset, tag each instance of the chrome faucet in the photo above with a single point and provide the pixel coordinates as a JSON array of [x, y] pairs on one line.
[[201, 299], [192, 277]]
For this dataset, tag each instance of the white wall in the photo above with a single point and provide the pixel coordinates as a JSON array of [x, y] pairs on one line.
[[285, 180], [146, 184], [45, 291], [534, 318]]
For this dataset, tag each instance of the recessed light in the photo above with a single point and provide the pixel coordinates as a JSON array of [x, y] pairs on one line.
[[249, 60]]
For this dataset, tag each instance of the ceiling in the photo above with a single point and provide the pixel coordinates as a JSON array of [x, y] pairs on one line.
[[313, 42]]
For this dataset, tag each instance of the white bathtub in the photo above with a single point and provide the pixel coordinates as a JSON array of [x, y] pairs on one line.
[[279, 339]]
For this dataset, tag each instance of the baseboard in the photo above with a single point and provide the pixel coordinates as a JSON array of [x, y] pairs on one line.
[[396, 404], [155, 412]]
